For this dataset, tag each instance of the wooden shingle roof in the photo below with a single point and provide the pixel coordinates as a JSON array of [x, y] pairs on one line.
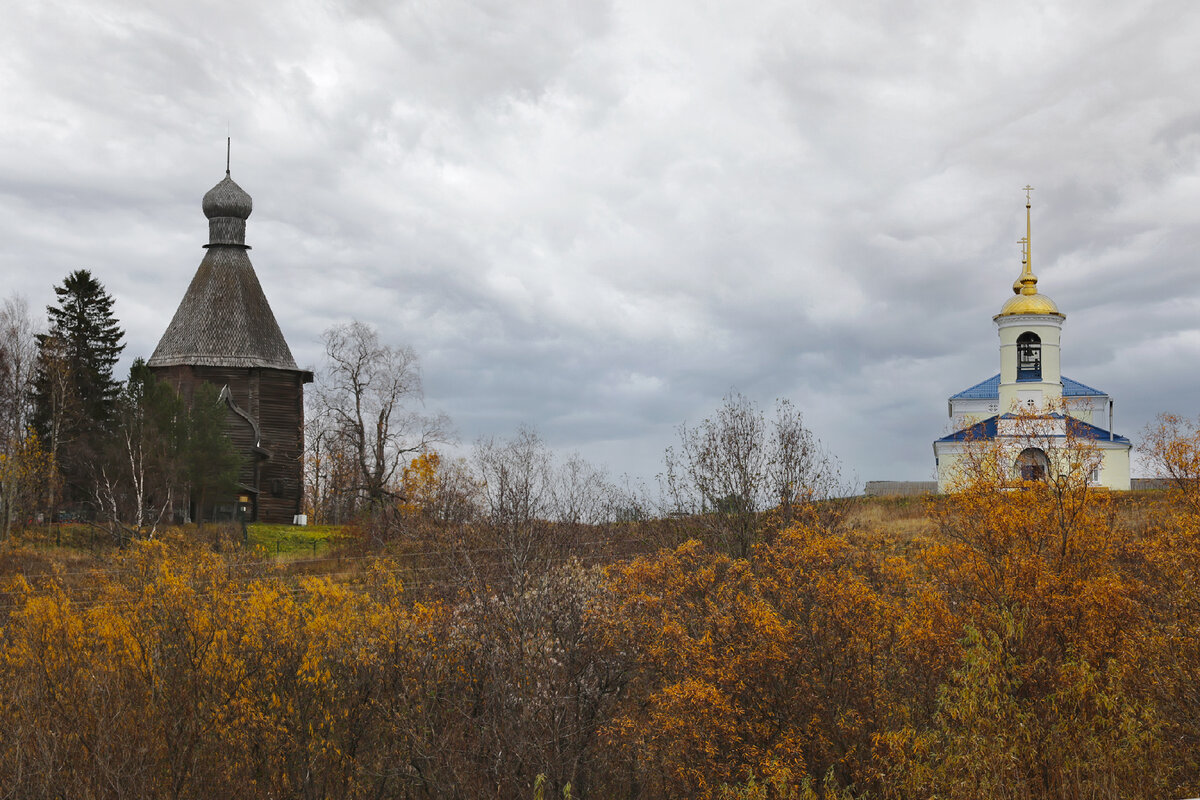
[[224, 319]]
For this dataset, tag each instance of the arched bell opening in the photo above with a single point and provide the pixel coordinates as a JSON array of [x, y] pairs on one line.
[[1029, 357]]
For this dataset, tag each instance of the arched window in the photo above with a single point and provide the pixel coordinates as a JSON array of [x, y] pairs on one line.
[[1032, 465], [1029, 357]]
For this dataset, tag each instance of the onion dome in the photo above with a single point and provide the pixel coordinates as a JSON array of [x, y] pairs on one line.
[[1029, 301], [227, 199], [224, 319], [227, 207]]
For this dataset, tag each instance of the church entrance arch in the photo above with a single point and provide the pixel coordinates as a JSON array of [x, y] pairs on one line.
[[1032, 464]]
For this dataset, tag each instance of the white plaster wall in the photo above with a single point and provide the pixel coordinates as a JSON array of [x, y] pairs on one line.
[[1114, 465], [1081, 408], [966, 412], [1114, 473], [946, 456], [1049, 330]]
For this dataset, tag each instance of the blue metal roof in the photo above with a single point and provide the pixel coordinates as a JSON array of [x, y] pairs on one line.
[[986, 429], [990, 390], [984, 390], [1076, 389], [980, 430], [1087, 430]]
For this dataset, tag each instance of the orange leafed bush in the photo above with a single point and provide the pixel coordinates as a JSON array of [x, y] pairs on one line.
[[1022, 639]]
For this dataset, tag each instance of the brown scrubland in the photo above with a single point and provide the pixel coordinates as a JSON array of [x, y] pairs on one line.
[[1011, 640]]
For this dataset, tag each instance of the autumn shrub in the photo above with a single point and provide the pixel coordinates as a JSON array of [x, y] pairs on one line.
[[787, 663], [172, 678], [1051, 594], [1031, 640]]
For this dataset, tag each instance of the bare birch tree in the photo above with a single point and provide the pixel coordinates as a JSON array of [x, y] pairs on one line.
[[22, 460], [735, 465], [141, 474], [581, 493], [371, 394]]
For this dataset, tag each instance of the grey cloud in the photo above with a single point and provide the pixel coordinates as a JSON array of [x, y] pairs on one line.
[[598, 218]]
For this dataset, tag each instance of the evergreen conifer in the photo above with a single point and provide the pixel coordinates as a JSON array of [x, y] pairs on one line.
[[74, 389]]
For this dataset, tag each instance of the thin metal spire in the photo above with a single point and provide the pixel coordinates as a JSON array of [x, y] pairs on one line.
[[1027, 283], [228, 139], [1028, 299], [1017, 283], [1028, 232]]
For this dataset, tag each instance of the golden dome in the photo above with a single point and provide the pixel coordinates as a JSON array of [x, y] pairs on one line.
[[1029, 304], [1028, 300]]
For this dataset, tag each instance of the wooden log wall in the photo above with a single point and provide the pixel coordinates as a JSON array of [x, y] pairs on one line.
[[272, 473]]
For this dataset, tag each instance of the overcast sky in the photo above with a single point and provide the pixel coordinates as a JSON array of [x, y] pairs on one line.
[[597, 217]]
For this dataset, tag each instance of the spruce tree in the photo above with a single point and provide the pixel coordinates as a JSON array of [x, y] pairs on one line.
[[74, 389]]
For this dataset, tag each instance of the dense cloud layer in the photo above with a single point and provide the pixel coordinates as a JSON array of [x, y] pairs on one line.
[[598, 218]]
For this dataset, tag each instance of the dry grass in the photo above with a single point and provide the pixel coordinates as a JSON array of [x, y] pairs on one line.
[[890, 525], [884, 525]]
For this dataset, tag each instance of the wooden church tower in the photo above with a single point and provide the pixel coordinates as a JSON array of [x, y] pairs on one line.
[[224, 333]]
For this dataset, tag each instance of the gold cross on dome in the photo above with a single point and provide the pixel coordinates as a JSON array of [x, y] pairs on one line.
[[1027, 189]]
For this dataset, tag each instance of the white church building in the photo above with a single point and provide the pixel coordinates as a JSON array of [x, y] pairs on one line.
[[1031, 380]]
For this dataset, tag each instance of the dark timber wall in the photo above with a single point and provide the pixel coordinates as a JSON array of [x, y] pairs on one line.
[[270, 441]]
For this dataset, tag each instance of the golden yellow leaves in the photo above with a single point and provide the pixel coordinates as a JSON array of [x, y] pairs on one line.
[[171, 676], [27, 471], [1035, 639], [785, 663], [420, 484]]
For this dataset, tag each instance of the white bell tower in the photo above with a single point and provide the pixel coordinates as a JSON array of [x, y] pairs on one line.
[[1030, 328], [1031, 381]]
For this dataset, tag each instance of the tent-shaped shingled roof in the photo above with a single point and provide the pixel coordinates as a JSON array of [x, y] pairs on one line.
[[224, 319]]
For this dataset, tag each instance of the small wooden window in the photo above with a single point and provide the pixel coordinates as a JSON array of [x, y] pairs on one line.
[[1029, 357]]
